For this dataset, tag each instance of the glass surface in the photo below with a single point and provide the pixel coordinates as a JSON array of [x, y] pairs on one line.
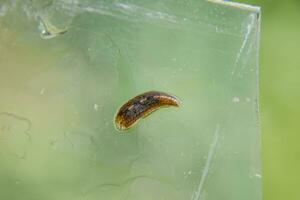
[[67, 66]]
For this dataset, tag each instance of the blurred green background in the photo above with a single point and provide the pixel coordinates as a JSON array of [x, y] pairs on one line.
[[279, 97]]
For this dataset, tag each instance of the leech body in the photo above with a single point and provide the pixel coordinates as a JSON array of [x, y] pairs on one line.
[[141, 106]]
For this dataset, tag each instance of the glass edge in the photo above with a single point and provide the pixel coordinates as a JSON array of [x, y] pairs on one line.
[[242, 6]]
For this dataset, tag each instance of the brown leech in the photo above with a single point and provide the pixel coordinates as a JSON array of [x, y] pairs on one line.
[[141, 106]]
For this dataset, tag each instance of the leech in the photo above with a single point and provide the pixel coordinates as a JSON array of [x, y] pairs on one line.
[[141, 106]]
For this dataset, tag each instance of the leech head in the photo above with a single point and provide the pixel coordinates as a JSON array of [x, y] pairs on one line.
[[141, 106]]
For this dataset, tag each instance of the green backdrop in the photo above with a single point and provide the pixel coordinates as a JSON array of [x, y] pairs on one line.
[[279, 97]]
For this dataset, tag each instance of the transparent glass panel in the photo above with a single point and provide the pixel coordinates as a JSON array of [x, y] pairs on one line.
[[66, 67]]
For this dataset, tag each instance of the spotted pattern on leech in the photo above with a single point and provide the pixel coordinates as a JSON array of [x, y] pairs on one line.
[[141, 106]]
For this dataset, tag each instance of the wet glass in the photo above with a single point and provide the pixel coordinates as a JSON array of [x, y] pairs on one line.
[[67, 66]]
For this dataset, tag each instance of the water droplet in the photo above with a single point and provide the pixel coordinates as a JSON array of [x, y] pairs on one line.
[[236, 100], [96, 106], [257, 175], [42, 91]]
